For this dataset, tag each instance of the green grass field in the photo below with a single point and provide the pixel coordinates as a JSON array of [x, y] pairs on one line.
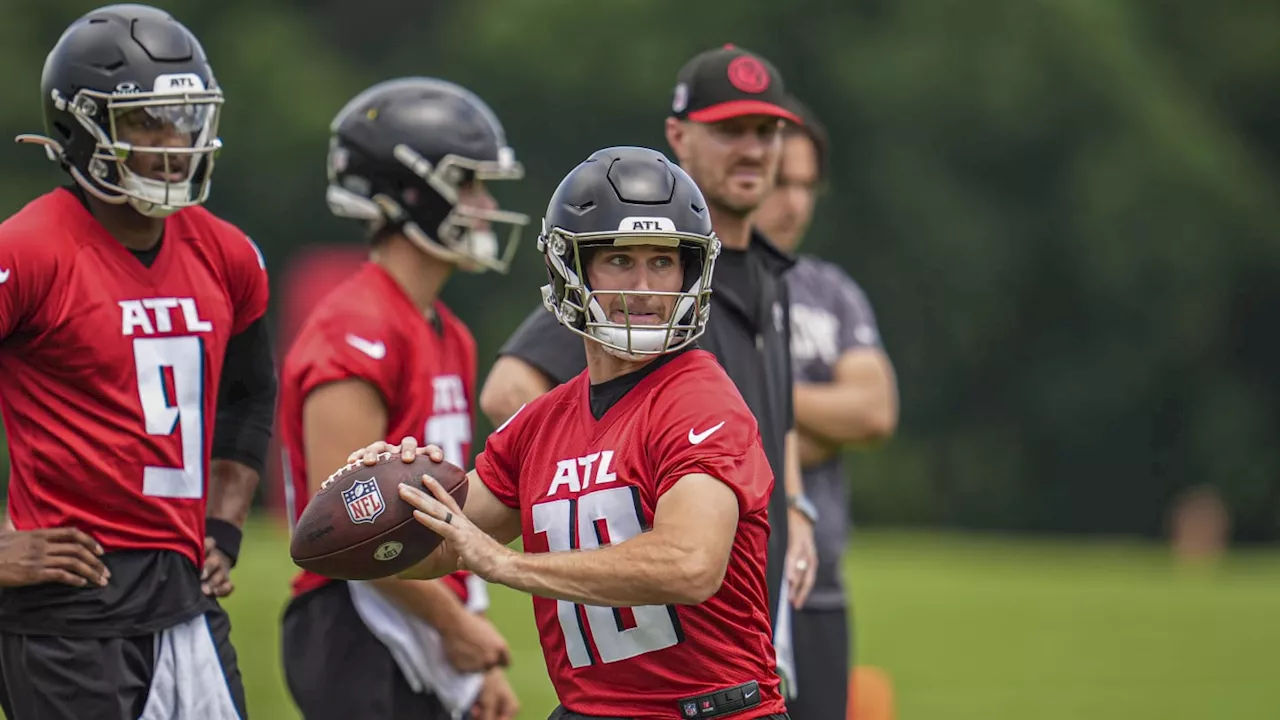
[[967, 626]]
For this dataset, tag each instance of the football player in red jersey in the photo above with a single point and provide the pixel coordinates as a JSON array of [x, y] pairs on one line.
[[640, 488], [381, 356], [133, 350]]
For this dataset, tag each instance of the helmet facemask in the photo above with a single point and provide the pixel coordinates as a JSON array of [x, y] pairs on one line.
[[577, 306], [466, 237], [180, 105]]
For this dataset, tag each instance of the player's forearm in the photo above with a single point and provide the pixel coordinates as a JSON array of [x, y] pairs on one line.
[[429, 600], [648, 569], [232, 486], [845, 413]]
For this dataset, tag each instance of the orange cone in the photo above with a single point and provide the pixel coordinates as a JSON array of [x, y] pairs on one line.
[[870, 694]]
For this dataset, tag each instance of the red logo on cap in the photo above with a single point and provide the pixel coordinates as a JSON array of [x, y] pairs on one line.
[[748, 75]]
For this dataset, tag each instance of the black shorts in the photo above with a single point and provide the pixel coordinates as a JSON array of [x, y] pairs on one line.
[[821, 640], [337, 670], [79, 678]]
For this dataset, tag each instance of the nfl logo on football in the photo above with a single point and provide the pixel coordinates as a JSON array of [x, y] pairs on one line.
[[363, 501]]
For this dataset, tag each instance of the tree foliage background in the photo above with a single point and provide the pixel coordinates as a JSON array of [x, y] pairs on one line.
[[1065, 213]]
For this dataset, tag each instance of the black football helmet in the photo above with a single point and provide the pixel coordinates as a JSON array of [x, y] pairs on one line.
[[628, 196], [400, 151], [124, 66]]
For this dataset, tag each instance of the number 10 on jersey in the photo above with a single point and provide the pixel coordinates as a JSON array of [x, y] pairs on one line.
[[596, 520]]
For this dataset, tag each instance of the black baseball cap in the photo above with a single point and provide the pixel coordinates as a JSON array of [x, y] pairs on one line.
[[729, 82]]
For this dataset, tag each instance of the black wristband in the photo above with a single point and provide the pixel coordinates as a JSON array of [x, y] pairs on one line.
[[226, 536]]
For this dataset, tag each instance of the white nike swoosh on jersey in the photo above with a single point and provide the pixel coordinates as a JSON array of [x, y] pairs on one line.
[[696, 438], [4, 276], [375, 350], [748, 693]]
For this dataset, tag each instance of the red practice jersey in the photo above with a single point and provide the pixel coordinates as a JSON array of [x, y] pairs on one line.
[[109, 370], [367, 328], [580, 483]]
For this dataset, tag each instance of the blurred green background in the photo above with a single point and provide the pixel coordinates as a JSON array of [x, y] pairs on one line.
[[1065, 214]]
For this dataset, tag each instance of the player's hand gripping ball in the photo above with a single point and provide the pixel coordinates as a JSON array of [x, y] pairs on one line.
[[358, 528]]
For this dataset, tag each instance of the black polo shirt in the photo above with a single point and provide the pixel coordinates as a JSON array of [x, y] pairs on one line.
[[749, 332]]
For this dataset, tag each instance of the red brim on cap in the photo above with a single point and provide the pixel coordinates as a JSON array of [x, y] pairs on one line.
[[739, 108]]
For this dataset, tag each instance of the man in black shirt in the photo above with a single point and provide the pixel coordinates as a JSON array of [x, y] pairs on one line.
[[727, 113]]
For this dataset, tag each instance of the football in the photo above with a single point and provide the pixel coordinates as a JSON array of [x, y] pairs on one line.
[[358, 528]]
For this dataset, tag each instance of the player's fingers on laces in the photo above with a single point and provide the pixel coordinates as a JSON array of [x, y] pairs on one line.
[[369, 454], [434, 452], [372, 452], [409, 449]]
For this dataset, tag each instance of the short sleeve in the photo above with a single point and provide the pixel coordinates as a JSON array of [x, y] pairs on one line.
[[498, 465], [348, 349], [548, 346], [858, 327], [246, 280], [701, 424], [28, 274]]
